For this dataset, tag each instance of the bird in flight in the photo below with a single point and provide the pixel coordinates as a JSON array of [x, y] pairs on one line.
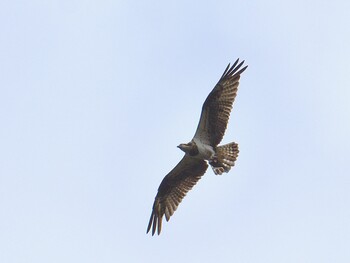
[[201, 150]]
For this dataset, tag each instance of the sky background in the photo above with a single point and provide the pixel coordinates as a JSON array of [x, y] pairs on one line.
[[96, 95]]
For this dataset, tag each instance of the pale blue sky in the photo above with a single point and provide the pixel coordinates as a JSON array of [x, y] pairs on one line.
[[96, 95]]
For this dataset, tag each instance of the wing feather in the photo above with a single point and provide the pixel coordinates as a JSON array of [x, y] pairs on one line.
[[174, 188], [218, 105]]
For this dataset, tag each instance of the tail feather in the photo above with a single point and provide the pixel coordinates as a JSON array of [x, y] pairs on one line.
[[224, 158]]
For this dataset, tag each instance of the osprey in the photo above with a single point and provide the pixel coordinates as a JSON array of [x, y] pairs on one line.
[[201, 149]]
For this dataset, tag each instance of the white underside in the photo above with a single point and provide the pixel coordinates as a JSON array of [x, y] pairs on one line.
[[205, 151]]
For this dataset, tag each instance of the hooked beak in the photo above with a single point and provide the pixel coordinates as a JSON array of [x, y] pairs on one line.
[[181, 146]]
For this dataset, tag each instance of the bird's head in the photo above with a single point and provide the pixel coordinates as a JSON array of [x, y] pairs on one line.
[[186, 147], [190, 148]]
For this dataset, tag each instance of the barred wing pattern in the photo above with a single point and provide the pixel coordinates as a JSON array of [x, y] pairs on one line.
[[174, 188], [218, 105]]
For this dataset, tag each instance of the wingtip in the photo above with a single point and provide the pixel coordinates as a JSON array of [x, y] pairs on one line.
[[236, 62], [226, 70], [149, 224], [232, 70], [159, 225], [152, 224]]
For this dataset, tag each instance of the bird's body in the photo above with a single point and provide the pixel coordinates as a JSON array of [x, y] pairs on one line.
[[197, 149], [201, 150]]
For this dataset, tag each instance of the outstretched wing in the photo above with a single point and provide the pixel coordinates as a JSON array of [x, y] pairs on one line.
[[173, 189], [217, 107]]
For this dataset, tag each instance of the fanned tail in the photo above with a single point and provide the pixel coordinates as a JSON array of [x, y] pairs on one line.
[[224, 158]]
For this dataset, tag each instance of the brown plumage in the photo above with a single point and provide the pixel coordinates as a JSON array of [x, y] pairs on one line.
[[173, 189], [202, 148], [218, 105]]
